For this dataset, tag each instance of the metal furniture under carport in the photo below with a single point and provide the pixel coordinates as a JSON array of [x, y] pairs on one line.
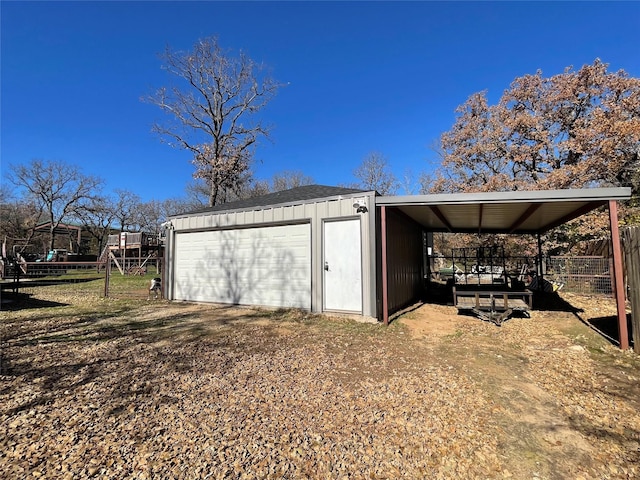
[[517, 212]]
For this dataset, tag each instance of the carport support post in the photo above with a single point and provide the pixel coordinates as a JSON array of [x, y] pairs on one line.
[[617, 275], [540, 267], [383, 246]]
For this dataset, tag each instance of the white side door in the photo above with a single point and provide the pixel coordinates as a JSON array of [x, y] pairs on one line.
[[342, 266]]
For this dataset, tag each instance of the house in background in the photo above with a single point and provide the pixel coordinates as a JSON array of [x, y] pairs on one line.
[[332, 249]]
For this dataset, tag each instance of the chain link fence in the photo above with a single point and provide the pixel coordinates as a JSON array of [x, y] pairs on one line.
[[30, 280], [581, 275], [585, 275], [133, 281]]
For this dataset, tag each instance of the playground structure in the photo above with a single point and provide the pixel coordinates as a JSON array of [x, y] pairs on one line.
[[133, 253]]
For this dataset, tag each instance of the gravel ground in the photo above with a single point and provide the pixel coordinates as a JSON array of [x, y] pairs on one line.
[[159, 390]]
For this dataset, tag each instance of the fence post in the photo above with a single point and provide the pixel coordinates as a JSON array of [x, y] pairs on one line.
[[107, 275], [612, 278]]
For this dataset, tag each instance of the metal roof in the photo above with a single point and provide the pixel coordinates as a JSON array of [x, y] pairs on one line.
[[303, 194], [502, 212]]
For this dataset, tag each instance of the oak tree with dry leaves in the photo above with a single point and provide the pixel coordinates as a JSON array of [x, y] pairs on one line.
[[577, 129]]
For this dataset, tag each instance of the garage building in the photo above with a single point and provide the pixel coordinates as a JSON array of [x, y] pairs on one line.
[[308, 247]]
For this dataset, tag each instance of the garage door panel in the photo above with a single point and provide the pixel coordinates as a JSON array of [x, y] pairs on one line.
[[259, 266]]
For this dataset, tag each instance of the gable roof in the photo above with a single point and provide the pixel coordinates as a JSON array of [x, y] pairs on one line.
[[293, 195]]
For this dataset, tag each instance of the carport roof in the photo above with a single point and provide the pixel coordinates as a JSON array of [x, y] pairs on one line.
[[502, 212]]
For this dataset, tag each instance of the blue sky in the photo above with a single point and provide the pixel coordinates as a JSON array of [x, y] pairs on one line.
[[363, 76]]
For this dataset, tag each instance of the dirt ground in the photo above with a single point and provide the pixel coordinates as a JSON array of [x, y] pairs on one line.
[[551, 376], [170, 390]]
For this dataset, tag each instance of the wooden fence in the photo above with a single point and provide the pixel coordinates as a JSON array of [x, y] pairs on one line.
[[630, 237]]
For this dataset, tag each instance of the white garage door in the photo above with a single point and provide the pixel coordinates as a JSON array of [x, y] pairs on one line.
[[268, 266]]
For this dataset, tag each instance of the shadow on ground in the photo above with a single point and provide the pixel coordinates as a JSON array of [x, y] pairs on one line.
[[18, 301], [608, 327]]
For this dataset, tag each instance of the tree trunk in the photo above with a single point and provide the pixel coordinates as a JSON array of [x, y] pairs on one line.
[[213, 194], [52, 236]]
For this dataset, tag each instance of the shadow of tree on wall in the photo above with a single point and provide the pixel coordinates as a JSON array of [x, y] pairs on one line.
[[291, 274], [231, 278], [250, 270], [213, 274]]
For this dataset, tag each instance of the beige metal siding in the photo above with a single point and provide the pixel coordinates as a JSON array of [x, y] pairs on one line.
[[313, 212]]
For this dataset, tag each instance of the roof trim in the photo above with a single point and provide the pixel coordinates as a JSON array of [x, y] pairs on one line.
[[517, 212], [517, 196], [295, 196]]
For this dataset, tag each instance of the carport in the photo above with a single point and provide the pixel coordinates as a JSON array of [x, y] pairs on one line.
[[515, 212]]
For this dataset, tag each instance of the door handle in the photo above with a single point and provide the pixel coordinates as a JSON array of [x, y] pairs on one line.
[[326, 266]]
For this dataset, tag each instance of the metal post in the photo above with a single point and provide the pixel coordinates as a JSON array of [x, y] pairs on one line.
[[618, 277], [107, 275], [383, 246], [16, 276], [540, 269]]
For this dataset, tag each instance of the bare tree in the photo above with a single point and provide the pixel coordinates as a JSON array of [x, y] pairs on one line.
[[256, 188], [17, 228], [173, 206], [288, 179], [150, 216], [408, 183], [248, 187], [374, 174], [426, 181], [98, 218], [213, 111], [125, 209], [57, 189], [198, 191]]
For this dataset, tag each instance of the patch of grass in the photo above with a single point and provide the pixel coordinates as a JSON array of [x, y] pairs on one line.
[[454, 336], [85, 290], [584, 336]]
